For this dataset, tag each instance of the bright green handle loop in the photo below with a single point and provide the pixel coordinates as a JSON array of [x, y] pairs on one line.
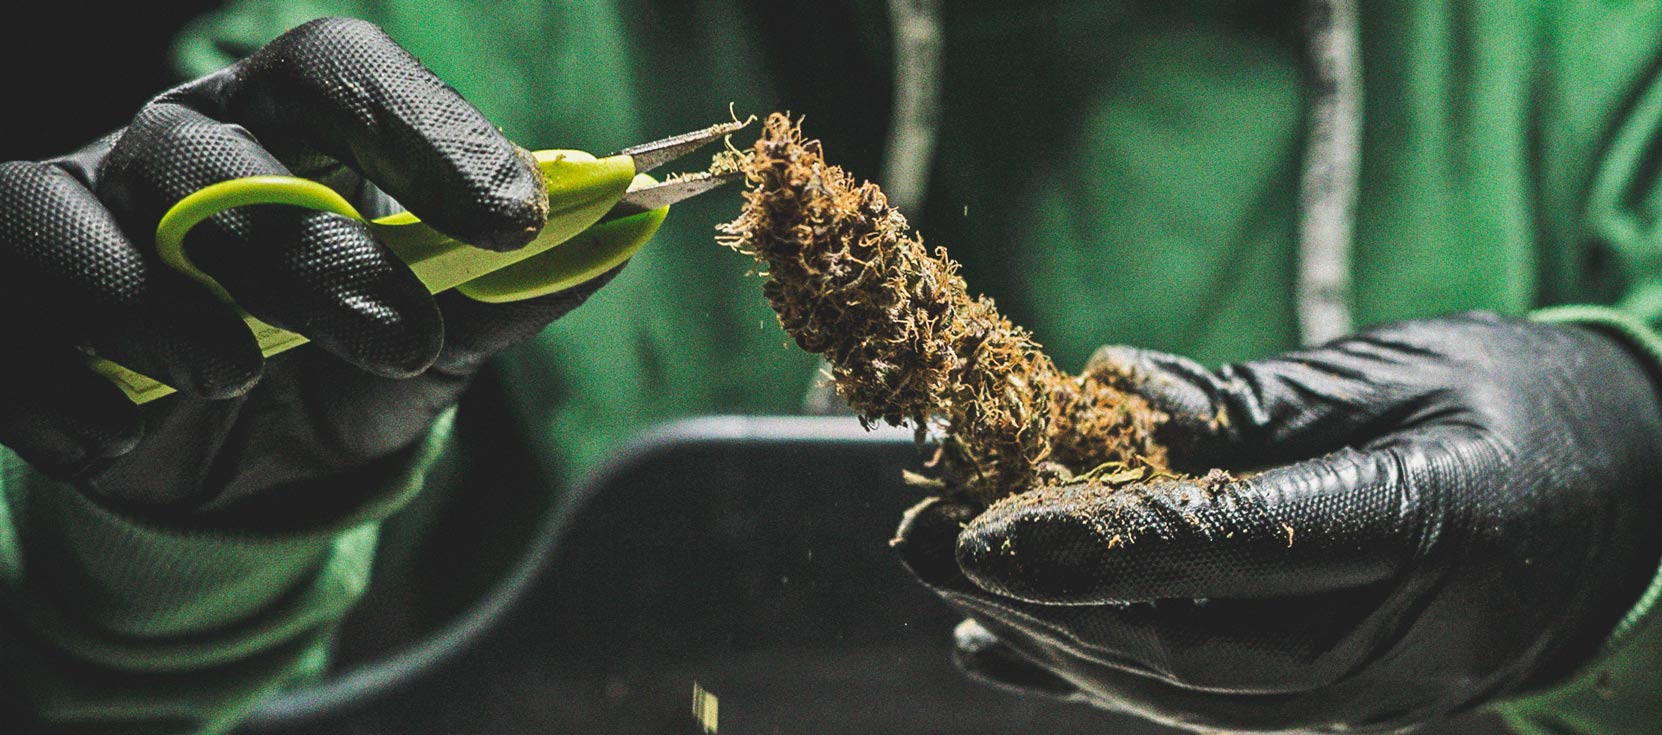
[[581, 190], [215, 198]]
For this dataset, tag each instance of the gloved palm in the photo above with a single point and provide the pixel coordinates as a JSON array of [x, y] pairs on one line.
[[334, 100], [1423, 518]]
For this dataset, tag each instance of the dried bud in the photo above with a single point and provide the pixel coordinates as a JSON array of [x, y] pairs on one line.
[[906, 341]]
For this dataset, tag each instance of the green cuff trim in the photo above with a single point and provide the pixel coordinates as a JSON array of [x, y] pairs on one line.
[[120, 619], [1621, 324], [146, 595]]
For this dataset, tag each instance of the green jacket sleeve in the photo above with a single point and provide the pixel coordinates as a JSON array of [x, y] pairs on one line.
[[112, 623]]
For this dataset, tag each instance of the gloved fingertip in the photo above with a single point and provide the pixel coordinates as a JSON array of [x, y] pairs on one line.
[[1050, 544], [404, 358], [981, 655], [211, 365], [512, 213], [926, 538], [125, 439], [211, 371], [397, 335], [530, 213], [62, 428], [109, 424]]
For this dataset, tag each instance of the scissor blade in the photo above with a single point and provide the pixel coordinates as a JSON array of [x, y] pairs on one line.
[[649, 156], [651, 197]]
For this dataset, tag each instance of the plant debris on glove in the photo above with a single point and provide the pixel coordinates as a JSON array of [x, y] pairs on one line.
[[908, 344]]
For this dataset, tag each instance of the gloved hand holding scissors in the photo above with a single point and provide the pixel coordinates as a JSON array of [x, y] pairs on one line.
[[335, 101], [1426, 517]]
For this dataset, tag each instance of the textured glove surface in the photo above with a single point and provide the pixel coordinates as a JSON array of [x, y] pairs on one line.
[[1422, 518], [334, 100]]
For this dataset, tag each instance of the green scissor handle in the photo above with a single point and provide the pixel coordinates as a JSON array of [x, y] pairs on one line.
[[571, 249]]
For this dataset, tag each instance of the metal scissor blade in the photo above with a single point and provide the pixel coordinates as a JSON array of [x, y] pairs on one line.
[[649, 156], [680, 189]]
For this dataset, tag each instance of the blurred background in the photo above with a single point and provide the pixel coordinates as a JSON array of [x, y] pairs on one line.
[[747, 559], [65, 88]]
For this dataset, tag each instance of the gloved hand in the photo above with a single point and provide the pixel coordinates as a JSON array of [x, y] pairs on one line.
[[334, 100], [1422, 518]]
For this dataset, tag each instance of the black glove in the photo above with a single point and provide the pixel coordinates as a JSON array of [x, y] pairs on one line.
[[1423, 518], [333, 100]]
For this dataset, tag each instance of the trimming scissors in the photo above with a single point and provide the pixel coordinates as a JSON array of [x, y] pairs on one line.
[[601, 211]]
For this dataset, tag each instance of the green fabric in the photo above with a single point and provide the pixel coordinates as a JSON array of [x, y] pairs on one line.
[[111, 619], [1108, 172]]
